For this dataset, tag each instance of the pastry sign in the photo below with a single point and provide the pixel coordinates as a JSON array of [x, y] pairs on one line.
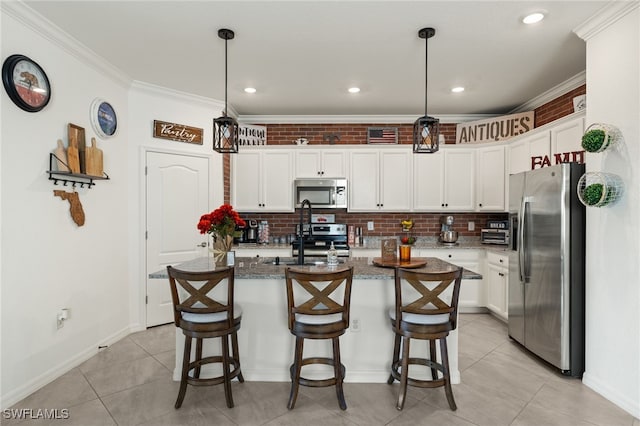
[[177, 132]]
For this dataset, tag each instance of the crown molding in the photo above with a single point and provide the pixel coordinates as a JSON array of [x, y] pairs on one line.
[[177, 95], [553, 93], [45, 28], [604, 18], [351, 119]]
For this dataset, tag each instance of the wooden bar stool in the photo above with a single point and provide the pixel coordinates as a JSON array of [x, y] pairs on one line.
[[421, 312], [315, 314], [203, 308]]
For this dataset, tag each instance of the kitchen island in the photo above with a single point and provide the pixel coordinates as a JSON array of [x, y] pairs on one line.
[[267, 346]]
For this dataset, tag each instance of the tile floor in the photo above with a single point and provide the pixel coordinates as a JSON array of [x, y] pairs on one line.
[[130, 384]]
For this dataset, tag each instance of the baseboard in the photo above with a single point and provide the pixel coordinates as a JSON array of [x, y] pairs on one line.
[[18, 394], [623, 401]]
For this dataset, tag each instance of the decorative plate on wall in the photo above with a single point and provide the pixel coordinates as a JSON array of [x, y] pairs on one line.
[[103, 118], [26, 83]]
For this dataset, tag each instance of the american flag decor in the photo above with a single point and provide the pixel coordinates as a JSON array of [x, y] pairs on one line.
[[382, 135]]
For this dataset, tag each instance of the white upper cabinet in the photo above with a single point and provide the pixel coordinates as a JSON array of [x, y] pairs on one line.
[[380, 180], [566, 141], [445, 180], [527, 151], [490, 179], [320, 163], [262, 180]]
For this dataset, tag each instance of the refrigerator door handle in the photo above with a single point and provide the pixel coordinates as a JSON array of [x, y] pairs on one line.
[[521, 242]]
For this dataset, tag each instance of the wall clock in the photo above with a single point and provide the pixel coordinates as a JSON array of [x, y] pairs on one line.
[[103, 118], [26, 83]]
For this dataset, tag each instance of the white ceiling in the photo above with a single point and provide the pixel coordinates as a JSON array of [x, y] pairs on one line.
[[303, 55]]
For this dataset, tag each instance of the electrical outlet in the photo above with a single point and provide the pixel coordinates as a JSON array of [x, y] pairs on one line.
[[471, 225], [370, 225], [355, 325], [62, 316]]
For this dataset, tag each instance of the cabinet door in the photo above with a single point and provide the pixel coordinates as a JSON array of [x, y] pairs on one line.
[[428, 181], [459, 180], [334, 163], [539, 149], [519, 160], [277, 181], [363, 181], [566, 142], [246, 190], [497, 290], [490, 190], [308, 163], [395, 180]]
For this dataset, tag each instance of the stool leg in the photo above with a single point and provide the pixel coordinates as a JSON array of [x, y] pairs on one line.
[[433, 357], [196, 372], [236, 354], [185, 371], [295, 370], [447, 379], [337, 368], [404, 373], [225, 371], [396, 356]]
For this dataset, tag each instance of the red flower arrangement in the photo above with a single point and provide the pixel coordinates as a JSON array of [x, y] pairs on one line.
[[221, 222]]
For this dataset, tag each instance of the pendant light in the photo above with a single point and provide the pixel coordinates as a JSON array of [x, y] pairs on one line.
[[225, 129], [426, 130]]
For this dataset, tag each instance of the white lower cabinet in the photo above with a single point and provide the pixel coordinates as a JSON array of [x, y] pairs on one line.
[[497, 277], [472, 294]]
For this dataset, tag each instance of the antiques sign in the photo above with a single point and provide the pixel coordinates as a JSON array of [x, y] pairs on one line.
[[494, 129], [251, 135], [177, 132]]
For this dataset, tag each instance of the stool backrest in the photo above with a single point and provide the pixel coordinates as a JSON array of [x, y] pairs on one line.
[[427, 295], [319, 293], [205, 292]]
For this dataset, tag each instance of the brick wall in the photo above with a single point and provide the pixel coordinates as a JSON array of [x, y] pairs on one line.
[[557, 108], [350, 134], [386, 224]]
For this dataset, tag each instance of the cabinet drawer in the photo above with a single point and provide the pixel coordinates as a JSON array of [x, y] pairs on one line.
[[498, 259]]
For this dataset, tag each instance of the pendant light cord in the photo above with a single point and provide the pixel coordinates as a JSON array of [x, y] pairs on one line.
[[426, 71], [225, 77]]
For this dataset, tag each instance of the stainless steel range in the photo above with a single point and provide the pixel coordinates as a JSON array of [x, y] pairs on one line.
[[319, 236]]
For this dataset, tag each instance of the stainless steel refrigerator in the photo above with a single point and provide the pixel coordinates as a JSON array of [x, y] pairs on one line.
[[546, 265]]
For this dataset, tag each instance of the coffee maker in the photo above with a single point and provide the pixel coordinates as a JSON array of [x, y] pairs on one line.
[[251, 231]]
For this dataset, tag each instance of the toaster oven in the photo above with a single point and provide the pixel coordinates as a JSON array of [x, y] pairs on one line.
[[494, 236]]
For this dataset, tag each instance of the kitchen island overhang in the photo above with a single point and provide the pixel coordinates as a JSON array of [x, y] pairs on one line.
[[267, 346]]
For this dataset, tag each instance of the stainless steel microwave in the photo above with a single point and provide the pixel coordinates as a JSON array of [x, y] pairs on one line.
[[326, 193]]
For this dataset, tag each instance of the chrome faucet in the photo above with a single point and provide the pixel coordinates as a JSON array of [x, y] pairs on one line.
[[301, 237]]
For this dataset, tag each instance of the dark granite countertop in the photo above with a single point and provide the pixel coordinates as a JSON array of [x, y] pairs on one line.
[[264, 268]]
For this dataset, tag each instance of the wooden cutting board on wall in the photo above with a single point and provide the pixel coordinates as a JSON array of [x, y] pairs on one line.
[[93, 159], [73, 158]]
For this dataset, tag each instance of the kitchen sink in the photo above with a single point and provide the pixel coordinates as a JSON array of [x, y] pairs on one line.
[[308, 262]]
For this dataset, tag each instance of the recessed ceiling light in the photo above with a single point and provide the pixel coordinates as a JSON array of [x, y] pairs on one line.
[[354, 89], [250, 89], [533, 18], [457, 89]]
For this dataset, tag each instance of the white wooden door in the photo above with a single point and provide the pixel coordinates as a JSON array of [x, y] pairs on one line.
[[334, 163], [177, 189], [308, 164], [566, 141]]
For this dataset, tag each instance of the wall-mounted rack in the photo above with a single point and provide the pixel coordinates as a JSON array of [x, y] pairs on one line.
[[71, 178]]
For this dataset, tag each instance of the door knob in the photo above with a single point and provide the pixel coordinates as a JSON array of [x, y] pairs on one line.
[[202, 244]]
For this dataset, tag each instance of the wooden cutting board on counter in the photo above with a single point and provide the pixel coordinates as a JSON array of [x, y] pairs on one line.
[[93, 159], [415, 262]]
